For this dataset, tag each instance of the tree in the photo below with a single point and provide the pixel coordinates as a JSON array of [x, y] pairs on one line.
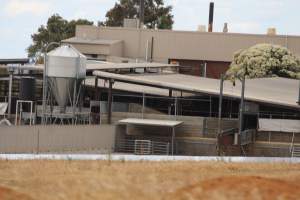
[[157, 15], [57, 29], [264, 60]]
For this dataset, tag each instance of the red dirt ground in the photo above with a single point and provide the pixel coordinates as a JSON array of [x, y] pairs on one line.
[[9, 194], [234, 187]]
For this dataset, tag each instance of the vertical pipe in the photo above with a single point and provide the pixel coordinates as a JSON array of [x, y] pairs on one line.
[[31, 109], [44, 88], [210, 107], [176, 104], [170, 106], [143, 108], [74, 101], [211, 17], [220, 115], [205, 69], [151, 52], [147, 51], [16, 117], [10, 92], [299, 94], [109, 102], [173, 137]]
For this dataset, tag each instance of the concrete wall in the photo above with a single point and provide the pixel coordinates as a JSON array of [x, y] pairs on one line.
[[189, 45], [30, 139]]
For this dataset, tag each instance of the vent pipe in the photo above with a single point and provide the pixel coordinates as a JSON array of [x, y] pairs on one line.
[[225, 29], [211, 17], [141, 12]]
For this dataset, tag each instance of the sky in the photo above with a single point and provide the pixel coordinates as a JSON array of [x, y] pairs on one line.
[[21, 18]]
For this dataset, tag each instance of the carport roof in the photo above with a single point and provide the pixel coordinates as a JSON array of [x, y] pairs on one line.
[[277, 91]]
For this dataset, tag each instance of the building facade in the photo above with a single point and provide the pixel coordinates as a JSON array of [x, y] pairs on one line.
[[201, 53]]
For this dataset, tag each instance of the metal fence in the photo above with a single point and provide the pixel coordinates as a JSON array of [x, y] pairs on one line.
[[142, 147]]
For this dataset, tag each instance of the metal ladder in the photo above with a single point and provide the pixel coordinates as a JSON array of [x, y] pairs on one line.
[[296, 150]]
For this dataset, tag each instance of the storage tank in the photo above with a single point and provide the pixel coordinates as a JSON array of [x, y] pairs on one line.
[[27, 88], [66, 66]]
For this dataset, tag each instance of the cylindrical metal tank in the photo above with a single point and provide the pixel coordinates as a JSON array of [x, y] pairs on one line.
[[27, 88], [66, 62], [66, 67]]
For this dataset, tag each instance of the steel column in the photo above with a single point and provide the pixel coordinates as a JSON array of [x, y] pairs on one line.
[[109, 110], [10, 92]]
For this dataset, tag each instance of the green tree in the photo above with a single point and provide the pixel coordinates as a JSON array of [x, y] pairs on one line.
[[57, 29], [264, 60], [157, 15]]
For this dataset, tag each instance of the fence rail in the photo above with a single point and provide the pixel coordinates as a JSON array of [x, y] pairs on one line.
[[142, 147]]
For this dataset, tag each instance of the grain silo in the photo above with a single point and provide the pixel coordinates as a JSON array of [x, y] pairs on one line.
[[65, 69]]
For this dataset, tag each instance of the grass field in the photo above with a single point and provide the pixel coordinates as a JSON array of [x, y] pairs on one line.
[[63, 180]]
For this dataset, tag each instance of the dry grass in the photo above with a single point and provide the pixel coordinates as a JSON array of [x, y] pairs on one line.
[[148, 180]]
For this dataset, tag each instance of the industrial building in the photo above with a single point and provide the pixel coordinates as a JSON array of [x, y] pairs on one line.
[[149, 92], [205, 54], [144, 108]]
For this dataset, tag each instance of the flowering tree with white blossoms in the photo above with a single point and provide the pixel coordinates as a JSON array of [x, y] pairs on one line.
[[264, 60]]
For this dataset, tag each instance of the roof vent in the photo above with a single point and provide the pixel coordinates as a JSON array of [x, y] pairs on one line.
[[202, 28], [271, 31]]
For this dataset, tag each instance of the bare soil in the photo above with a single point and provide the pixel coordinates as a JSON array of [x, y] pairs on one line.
[[107, 180]]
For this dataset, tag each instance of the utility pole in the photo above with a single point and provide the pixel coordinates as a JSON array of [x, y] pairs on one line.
[[219, 135], [241, 113]]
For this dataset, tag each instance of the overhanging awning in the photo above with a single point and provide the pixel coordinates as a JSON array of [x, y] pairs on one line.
[[279, 125], [154, 122], [150, 122]]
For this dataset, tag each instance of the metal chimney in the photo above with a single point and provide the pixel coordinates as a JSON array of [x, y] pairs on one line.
[[211, 17], [141, 12], [225, 29]]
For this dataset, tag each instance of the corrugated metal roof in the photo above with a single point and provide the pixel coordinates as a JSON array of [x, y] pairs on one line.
[[279, 91], [77, 40], [106, 66]]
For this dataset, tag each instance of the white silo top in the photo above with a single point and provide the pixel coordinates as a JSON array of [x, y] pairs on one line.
[[66, 61]]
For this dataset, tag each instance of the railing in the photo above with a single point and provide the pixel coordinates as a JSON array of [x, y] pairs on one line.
[[247, 136], [142, 147]]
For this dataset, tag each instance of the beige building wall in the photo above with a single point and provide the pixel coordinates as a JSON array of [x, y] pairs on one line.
[[32, 139], [189, 45]]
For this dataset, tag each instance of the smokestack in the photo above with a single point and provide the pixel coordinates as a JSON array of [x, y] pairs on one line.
[[211, 17], [225, 29], [142, 12]]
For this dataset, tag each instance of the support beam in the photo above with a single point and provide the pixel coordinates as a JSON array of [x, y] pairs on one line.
[[170, 106], [96, 96], [173, 139], [10, 92], [109, 110], [144, 104]]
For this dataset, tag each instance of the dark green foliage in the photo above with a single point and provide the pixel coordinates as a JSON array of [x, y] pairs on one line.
[[57, 29], [157, 15]]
